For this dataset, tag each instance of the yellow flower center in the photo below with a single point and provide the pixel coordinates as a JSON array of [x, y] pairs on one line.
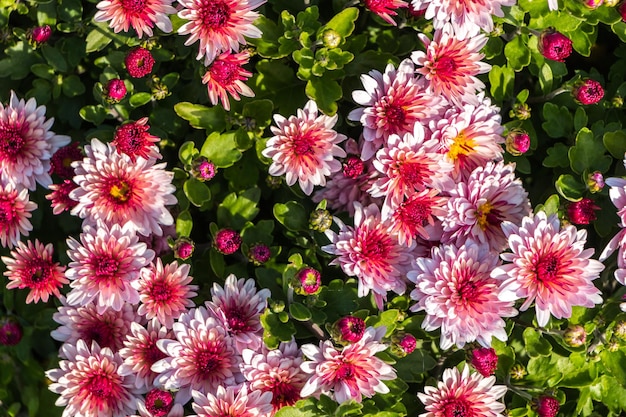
[[120, 191], [461, 146], [482, 214]]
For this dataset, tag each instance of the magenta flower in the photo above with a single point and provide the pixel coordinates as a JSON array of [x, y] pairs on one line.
[[15, 210], [554, 45], [225, 76], [159, 403], [484, 360], [61, 161], [11, 332], [547, 406], [139, 62], [517, 142], [307, 281], [115, 90], [232, 402], [259, 253], [385, 8], [41, 34], [349, 329], [582, 212], [589, 92], [134, 140], [140, 15], [415, 216], [227, 241], [60, 196]]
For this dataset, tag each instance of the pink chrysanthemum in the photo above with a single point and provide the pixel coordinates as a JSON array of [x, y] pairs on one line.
[[549, 266], [466, 17], [276, 371], [415, 216], [31, 266], [108, 328], [159, 403], [220, 25], [60, 196], [227, 76], [61, 161], [139, 62], [134, 140], [114, 189], [238, 306], [348, 329], [15, 211], [232, 402], [477, 207], [165, 292], [27, 143], [89, 385], [385, 8], [369, 252], [141, 15], [393, 103], [104, 264], [351, 373], [227, 241], [617, 193], [304, 148], [114, 90], [140, 352], [451, 65], [201, 358], [454, 288], [462, 394]]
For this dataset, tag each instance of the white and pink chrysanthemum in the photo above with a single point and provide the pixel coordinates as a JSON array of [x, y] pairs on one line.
[[548, 265], [115, 190], [462, 394], [165, 292], [238, 306], [220, 25], [466, 17], [477, 207], [103, 266], [27, 143], [393, 102], [141, 15], [450, 65], [60, 196], [304, 148], [454, 288], [232, 402], [89, 384], [159, 403], [225, 76], [351, 373], [15, 210], [108, 328], [276, 371], [202, 357], [415, 216], [385, 8], [617, 194], [369, 252], [31, 266]]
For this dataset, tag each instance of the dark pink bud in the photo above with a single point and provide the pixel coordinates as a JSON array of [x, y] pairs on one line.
[[408, 343], [517, 142], [41, 34], [484, 360], [622, 11], [307, 281], [350, 329], [159, 403], [582, 212], [115, 90], [554, 45], [203, 169], [10, 332], [139, 62], [259, 254], [183, 248], [227, 241], [547, 406], [589, 92]]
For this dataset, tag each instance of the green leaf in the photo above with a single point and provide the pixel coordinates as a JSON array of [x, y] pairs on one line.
[[501, 80], [517, 52], [260, 112], [261, 232], [54, 57], [558, 120], [221, 149], [536, 344], [610, 392], [588, 154], [267, 45], [411, 367], [569, 188], [580, 118], [615, 143], [139, 99], [303, 408], [388, 318], [43, 71], [299, 312], [583, 38], [70, 10], [72, 86], [272, 324], [93, 114], [557, 156], [187, 152], [614, 364], [369, 60], [196, 191], [202, 117], [277, 82], [235, 210], [343, 23], [325, 92], [551, 206], [184, 224], [292, 215]]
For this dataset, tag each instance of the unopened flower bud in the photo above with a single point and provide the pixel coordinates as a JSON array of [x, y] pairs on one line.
[[589, 92], [520, 111], [183, 248], [158, 89], [259, 253], [517, 142], [554, 45], [593, 4], [402, 344], [582, 212], [320, 220], [41, 34], [276, 306], [331, 38], [613, 345], [595, 181], [348, 329], [307, 281], [114, 91], [10, 332], [575, 335], [547, 406], [617, 102], [484, 360], [620, 330], [518, 371], [202, 169], [227, 241]]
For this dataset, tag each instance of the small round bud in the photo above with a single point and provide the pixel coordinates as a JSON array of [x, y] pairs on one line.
[[331, 38], [403, 344], [520, 111], [183, 248], [158, 89], [227, 241], [547, 406], [554, 45], [41, 34], [517, 142], [276, 306], [307, 281], [484, 360], [10, 332], [575, 335], [320, 220], [588, 92], [582, 212], [202, 169], [595, 181], [259, 253], [518, 371], [617, 102], [114, 91], [348, 329]]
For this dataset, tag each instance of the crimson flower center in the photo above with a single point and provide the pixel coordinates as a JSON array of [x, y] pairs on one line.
[[152, 353], [129, 137], [413, 173], [468, 291], [100, 386], [547, 269], [38, 272], [104, 267], [161, 291], [101, 331], [457, 408], [207, 361], [345, 371], [414, 212], [215, 14], [395, 115], [133, 6], [11, 142], [445, 67], [303, 144], [284, 394], [225, 73], [237, 322], [7, 212]]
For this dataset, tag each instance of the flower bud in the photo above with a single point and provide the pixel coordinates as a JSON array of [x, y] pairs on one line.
[[183, 248], [331, 38], [348, 329], [202, 169], [520, 111], [484, 360], [41, 34], [589, 92], [402, 344], [582, 212], [518, 371], [622, 11], [259, 253], [227, 241], [139, 62], [114, 91], [517, 142], [575, 335], [554, 45], [307, 281], [611, 3], [613, 345], [593, 4], [547, 406], [10, 332], [595, 181], [320, 220], [620, 330]]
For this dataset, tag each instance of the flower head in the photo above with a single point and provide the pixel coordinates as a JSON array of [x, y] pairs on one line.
[[547, 406], [232, 402], [307, 281], [115, 90], [259, 253], [41, 34], [595, 181], [385, 8], [415, 216], [139, 62], [159, 403], [575, 335], [484, 360], [60, 196], [406, 342], [227, 76], [15, 210], [582, 211], [227, 241], [183, 248], [517, 142], [141, 15], [202, 169], [61, 161], [10, 332], [134, 140], [348, 329], [554, 45], [589, 92]]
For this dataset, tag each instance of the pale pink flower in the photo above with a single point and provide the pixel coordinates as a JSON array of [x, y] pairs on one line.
[[165, 292], [304, 148], [369, 252], [385, 8], [27, 143], [134, 139], [232, 402], [220, 25], [31, 266], [238, 306], [463, 394], [104, 264], [454, 288], [141, 15], [108, 328], [393, 102], [477, 207], [617, 193], [451, 65], [201, 358], [553, 4], [60, 196], [114, 189], [89, 385], [276, 371], [140, 352], [548, 266], [351, 373], [15, 210], [225, 76], [415, 216]]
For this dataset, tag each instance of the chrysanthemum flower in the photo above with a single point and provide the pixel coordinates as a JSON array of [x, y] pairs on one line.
[[134, 140], [61, 161], [369, 252], [15, 209], [159, 403], [60, 196], [139, 62], [548, 266], [463, 394], [348, 329], [226, 76], [454, 288], [89, 385], [165, 292], [304, 148], [141, 15], [232, 402], [414, 216], [385, 8], [114, 91], [31, 266], [393, 103], [238, 306], [114, 189], [11, 332], [26, 143], [220, 25], [108, 328], [276, 371], [104, 264], [451, 65], [201, 358], [227, 241], [353, 372]]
